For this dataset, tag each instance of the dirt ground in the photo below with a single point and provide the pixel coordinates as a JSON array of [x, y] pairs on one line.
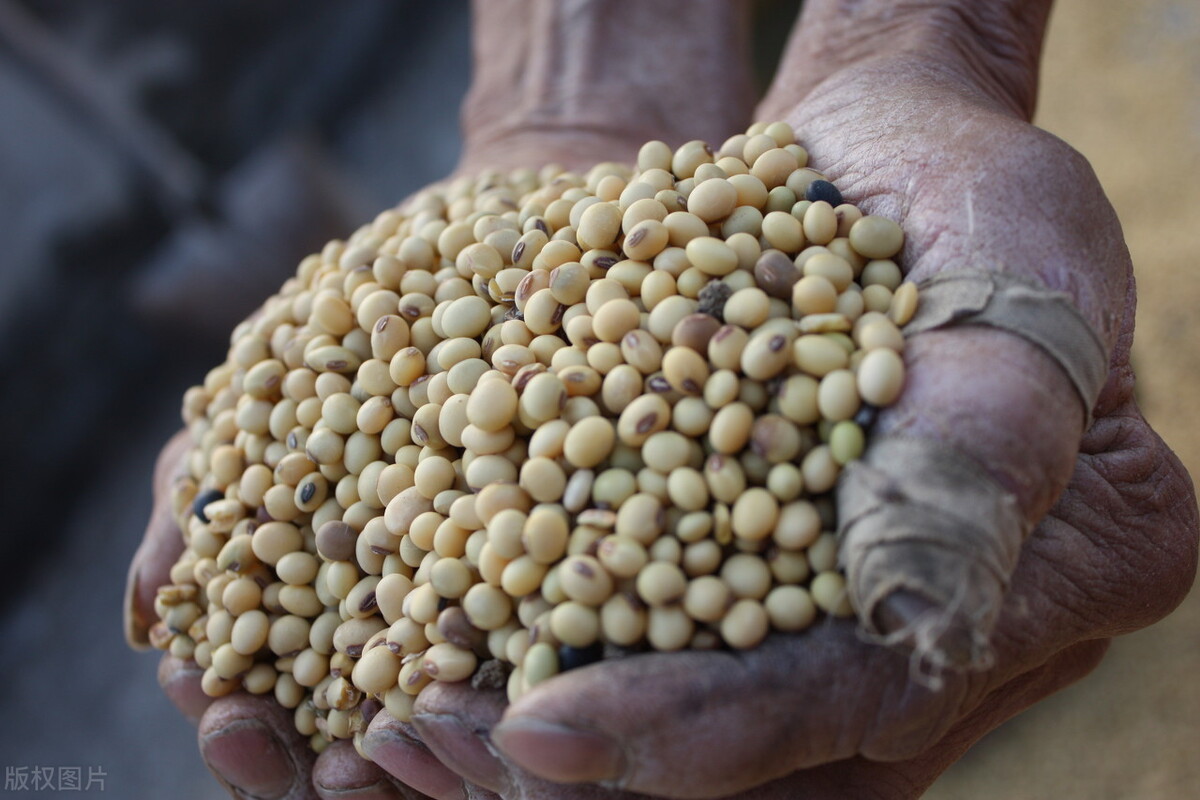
[[1120, 83]]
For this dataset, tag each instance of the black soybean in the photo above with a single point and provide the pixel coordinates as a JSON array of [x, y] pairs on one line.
[[572, 657], [823, 190], [203, 499]]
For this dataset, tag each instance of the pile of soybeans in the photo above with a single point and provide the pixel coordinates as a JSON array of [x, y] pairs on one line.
[[534, 419]]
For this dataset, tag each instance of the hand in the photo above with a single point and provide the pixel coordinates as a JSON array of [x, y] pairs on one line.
[[633, 89], [250, 743], [923, 118]]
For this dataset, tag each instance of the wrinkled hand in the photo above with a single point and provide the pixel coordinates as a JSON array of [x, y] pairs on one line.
[[924, 120], [920, 127]]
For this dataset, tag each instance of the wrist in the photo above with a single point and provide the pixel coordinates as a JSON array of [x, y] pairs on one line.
[[993, 46], [584, 81]]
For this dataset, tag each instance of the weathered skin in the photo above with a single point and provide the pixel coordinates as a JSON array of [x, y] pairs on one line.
[[920, 114]]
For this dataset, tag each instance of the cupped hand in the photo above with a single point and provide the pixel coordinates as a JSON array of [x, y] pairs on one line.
[[926, 123]]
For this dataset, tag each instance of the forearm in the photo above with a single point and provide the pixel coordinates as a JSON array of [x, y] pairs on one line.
[[997, 44], [598, 77]]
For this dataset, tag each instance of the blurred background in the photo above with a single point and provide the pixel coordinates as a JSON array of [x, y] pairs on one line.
[[163, 167]]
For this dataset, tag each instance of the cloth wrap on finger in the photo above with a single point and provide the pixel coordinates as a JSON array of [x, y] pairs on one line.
[[919, 517]]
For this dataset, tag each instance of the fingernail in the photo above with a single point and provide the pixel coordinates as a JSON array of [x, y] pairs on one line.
[[559, 753], [412, 763], [461, 749], [135, 627], [250, 759]]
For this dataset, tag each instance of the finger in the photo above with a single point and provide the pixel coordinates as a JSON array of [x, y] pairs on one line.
[[580, 82], [990, 48], [662, 723], [252, 747], [861, 777], [159, 549], [180, 681], [397, 748], [341, 773], [454, 720]]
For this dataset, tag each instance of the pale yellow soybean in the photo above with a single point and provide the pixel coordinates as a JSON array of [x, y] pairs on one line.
[[745, 625], [755, 513], [789, 567], [487, 607], [288, 635], [724, 476], [712, 200], [599, 226], [820, 223], [249, 632], [654, 155], [688, 156], [642, 351], [641, 517], [543, 479], [903, 304], [661, 583], [747, 307], [227, 663], [783, 231], [881, 271], [837, 395], [297, 567], [622, 556], [819, 355], [726, 346], [522, 576], [615, 318], [492, 405], [731, 428], [575, 624], [751, 191], [876, 237], [646, 239], [797, 399], [850, 304], [390, 592], [685, 369], [584, 580], [643, 417], [376, 672], [876, 332], [846, 441], [711, 255], [877, 298], [798, 525], [669, 628], [832, 268], [691, 416], [540, 664], [814, 294], [665, 451], [767, 353], [707, 598], [828, 592], [623, 619], [819, 469], [746, 575], [774, 166], [273, 540], [589, 441], [545, 535], [406, 366], [687, 489], [450, 577]]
